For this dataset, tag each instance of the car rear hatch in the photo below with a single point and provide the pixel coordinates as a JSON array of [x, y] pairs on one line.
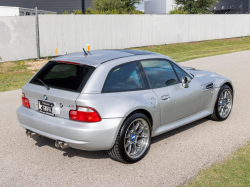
[[54, 89]]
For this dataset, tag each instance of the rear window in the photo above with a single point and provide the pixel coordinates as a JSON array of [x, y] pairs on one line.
[[64, 76]]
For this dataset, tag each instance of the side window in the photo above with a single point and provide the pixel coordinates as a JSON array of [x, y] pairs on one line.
[[180, 72], [126, 77], [160, 73]]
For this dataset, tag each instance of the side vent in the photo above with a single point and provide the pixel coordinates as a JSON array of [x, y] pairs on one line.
[[208, 86]]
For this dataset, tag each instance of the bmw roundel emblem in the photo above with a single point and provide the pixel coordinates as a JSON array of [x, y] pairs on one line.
[[45, 97], [133, 137]]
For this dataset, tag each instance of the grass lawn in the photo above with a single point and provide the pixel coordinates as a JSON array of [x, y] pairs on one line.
[[187, 51], [234, 171], [13, 75]]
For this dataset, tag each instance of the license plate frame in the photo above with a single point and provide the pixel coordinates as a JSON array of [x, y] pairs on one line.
[[45, 107]]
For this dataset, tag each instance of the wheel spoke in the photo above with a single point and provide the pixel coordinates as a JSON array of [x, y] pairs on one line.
[[225, 95], [220, 108], [128, 135], [134, 149], [140, 142], [142, 136], [127, 144], [133, 127], [129, 148], [222, 111], [140, 130], [137, 125]]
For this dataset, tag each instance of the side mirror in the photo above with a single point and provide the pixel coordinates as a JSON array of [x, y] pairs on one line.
[[185, 81]]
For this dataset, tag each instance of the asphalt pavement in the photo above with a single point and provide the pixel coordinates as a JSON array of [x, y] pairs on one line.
[[174, 158]]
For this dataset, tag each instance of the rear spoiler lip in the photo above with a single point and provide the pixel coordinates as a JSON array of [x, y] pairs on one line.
[[67, 62]]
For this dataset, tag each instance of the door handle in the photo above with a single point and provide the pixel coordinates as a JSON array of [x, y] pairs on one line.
[[165, 97]]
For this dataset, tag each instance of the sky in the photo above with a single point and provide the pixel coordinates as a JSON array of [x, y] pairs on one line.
[[140, 7]]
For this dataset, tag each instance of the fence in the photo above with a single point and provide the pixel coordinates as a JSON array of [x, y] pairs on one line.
[[17, 38], [62, 34]]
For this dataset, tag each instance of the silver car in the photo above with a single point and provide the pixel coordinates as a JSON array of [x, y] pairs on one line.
[[117, 100]]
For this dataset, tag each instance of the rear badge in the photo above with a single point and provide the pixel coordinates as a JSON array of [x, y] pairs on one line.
[[71, 106], [45, 97]]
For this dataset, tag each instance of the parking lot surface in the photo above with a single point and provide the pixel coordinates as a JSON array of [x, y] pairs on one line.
[[174, 157]]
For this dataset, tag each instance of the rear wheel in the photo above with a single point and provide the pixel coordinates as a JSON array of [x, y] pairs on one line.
[[223, 105], [133, 140]]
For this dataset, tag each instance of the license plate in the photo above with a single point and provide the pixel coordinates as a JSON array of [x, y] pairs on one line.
[[45, 107]]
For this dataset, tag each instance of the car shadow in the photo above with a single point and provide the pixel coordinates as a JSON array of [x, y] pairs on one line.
[[70, 152], [177, 131]]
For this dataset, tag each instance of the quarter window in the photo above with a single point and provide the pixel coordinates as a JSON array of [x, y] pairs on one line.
[[160, 73], [180, 72], [126, 77]]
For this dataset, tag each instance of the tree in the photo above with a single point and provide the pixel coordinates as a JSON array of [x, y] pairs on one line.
[[115, 6], [196, 6], [177, 11], [130, 4]]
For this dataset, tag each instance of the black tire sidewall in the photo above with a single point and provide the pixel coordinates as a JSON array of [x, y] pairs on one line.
[[124, 128], [224, 87]]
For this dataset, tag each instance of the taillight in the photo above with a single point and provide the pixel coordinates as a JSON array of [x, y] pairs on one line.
[[84, 114], [25, 101]]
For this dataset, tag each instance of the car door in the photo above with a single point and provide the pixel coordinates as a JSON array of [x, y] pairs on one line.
[[175, 101]]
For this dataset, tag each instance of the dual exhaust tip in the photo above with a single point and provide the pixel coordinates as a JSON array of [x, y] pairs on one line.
[[58, 144], [62, 145], [31, 134]]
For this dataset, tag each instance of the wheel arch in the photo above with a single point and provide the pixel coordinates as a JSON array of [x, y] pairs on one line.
[[143, 111], [230, 85]]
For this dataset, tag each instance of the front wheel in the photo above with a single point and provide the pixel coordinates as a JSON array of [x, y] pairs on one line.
[[133, 140], [223, 105]]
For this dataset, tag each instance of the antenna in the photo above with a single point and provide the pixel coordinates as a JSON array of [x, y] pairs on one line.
[[85, 52]]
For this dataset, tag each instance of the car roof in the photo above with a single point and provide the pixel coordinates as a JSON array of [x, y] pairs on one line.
[[97, 57]]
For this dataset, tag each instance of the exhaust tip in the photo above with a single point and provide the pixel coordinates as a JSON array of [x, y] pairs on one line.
[[61, 145], [27, 133], [64, 146], [31, 134], [57, 144]]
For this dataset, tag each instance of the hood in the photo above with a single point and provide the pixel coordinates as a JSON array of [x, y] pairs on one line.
[[203, 77]]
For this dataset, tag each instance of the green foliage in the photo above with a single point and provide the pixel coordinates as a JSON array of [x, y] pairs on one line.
[[114, 7], [77, 11], [74, 12], [196, 7], [66, 12], [177, 11]]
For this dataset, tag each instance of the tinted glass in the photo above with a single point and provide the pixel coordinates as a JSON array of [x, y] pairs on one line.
[[180, 72], [125, 77], [160, 73], [63, 76]]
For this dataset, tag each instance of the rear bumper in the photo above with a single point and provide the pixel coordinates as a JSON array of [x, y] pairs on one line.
[[79, 135]]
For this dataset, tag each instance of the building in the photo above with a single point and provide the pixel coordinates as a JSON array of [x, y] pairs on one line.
[[232, 7], [58, 6], [18, 11], [159, 6]]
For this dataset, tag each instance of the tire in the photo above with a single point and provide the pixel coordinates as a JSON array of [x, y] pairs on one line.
[[129, 136], [227, 105]]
